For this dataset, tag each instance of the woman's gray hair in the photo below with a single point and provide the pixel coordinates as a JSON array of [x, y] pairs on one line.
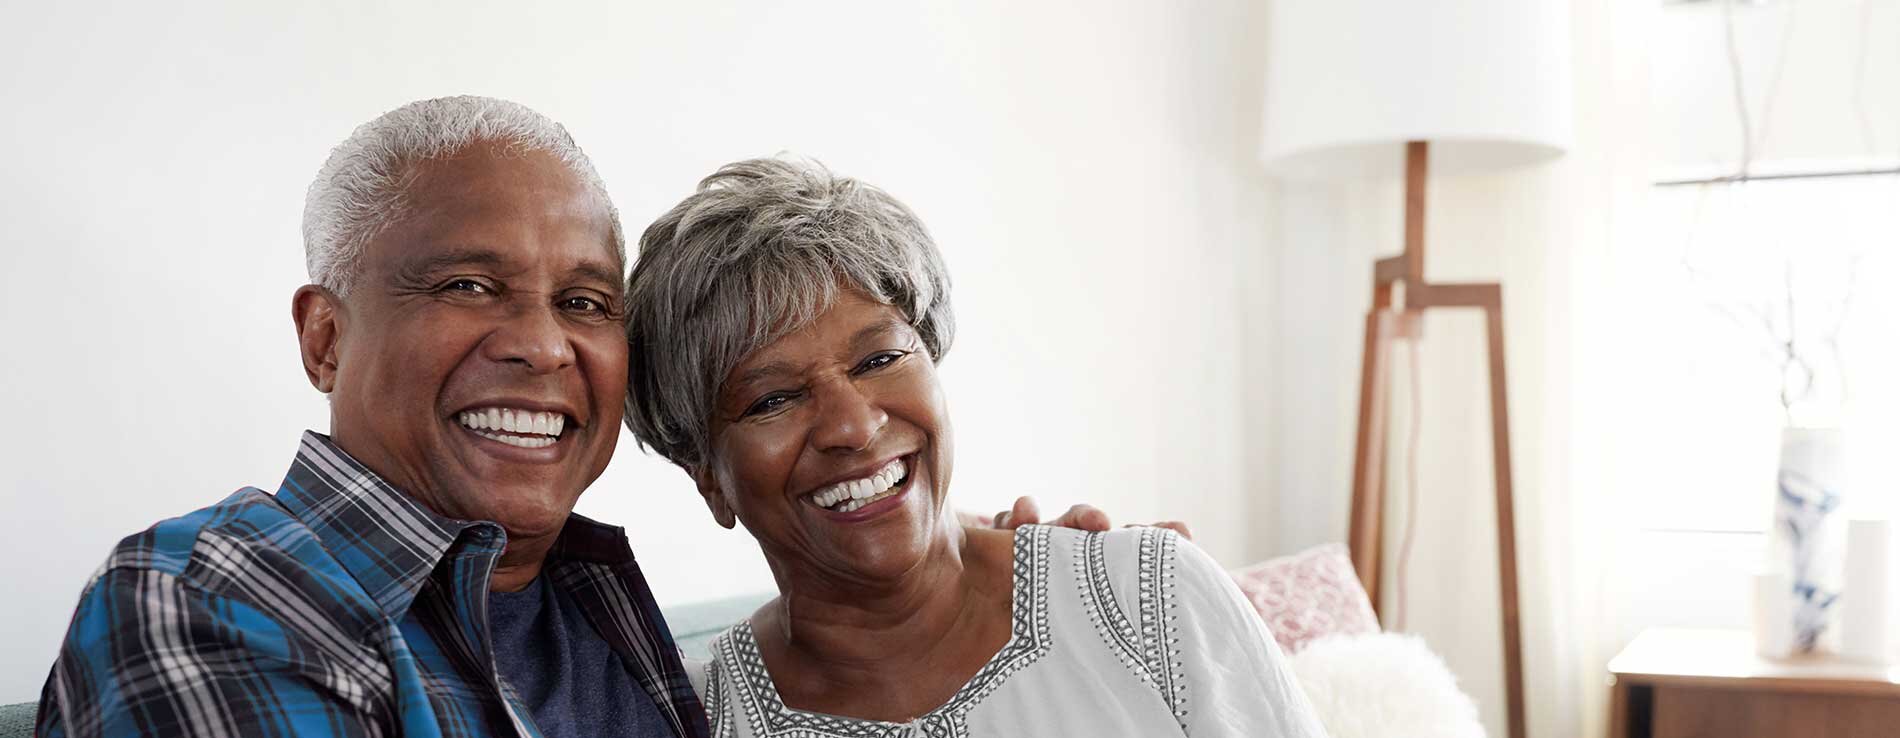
[[360, 189], [760, 250]]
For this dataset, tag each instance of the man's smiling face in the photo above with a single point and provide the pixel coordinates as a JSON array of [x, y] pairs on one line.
[[478, 363]]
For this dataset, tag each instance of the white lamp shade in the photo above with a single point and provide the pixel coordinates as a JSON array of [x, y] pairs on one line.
[[1486, 82]]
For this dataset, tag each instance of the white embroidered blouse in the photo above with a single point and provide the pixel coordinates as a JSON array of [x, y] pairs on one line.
[[1134, 632]]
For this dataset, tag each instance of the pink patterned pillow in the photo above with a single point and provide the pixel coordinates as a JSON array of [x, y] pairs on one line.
[[1309, 595]]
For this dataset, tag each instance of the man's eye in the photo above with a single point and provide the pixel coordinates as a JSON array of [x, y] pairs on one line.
[[466, 285], [584, 305]]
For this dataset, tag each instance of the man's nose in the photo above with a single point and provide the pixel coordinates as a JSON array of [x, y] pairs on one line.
[[848, 420], [533, 336]]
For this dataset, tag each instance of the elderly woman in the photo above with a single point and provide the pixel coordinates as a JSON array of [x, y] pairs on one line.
[[786, 325]]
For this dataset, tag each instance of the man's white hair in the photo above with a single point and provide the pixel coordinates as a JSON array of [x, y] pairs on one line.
[[362, 186]]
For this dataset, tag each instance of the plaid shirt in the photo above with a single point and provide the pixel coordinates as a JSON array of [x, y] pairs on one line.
[[336, 607]]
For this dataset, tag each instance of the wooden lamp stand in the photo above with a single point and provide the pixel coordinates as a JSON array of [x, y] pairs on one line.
[[1384, 323]]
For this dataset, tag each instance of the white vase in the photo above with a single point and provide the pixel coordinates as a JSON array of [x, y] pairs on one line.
[[1804, 543]]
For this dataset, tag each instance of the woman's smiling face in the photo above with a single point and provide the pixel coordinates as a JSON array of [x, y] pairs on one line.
[[832, 446]]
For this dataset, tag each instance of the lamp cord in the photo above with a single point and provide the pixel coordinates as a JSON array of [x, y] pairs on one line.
[[1412, 435]]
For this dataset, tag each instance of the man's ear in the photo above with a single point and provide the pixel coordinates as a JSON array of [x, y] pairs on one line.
[[713, 494], [318, 314]]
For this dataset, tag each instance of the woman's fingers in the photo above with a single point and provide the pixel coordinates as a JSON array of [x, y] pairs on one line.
[[1024, 512], [1082, 517], [1079, 517], [1173, 525]]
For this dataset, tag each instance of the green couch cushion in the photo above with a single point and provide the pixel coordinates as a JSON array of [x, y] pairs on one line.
[[16, 721], [695, 624]]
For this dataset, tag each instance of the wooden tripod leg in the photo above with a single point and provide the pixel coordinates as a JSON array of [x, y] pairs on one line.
[[1365, 535], [1507, 519]]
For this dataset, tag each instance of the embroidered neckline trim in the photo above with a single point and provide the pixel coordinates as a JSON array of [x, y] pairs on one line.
[[1029, 640]]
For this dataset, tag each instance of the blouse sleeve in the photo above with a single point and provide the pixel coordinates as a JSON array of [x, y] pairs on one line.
[[1237, 683]]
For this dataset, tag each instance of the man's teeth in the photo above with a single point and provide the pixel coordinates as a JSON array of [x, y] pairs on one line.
[[848, 496], [524, 428]]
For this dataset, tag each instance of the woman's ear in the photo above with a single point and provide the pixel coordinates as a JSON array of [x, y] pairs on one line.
[[713, 494]]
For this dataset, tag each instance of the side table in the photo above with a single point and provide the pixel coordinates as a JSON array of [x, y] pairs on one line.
[[1679, 683]]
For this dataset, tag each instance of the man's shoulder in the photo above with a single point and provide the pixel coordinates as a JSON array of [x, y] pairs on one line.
[[167, 546], [242, 546], [235, 607]]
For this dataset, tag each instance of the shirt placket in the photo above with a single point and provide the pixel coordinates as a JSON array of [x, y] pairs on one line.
[[474, 567]]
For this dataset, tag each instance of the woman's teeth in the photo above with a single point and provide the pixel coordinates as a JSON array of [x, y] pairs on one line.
[[523, 428], [848, 496], [855, 504]]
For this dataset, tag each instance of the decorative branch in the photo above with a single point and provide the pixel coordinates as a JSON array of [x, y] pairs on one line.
[[1796, 349]]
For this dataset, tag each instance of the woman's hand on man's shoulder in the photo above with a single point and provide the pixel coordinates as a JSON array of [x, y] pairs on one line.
[[1079, 517]]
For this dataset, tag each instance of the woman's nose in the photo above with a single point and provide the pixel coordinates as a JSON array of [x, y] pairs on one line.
[[848, 420]]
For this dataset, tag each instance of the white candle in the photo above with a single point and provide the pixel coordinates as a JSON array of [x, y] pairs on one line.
[[1774, 615]]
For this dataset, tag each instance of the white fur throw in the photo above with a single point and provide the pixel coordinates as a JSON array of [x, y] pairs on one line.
[[1384, 685]]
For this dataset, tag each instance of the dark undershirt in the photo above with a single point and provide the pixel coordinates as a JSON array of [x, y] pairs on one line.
[[571, 679]]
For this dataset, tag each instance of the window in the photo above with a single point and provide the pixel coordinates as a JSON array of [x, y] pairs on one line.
[[1702, 305], [1702, 294]]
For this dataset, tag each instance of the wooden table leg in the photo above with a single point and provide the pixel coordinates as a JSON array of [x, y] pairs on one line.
[[1620, 709]]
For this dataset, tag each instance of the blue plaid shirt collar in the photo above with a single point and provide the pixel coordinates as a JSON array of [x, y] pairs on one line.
[[393, 546], [388, 542], [337, 497]]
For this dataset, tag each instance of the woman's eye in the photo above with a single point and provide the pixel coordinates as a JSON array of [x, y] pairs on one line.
[[880, 361], [768, 404]]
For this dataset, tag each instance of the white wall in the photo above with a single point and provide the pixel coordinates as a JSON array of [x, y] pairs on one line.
[[1085, 166]]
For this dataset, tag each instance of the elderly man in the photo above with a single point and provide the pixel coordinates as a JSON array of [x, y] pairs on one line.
[[419, 571]]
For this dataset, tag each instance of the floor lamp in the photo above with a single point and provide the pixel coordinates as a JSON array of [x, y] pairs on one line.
[[1363, 89]]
